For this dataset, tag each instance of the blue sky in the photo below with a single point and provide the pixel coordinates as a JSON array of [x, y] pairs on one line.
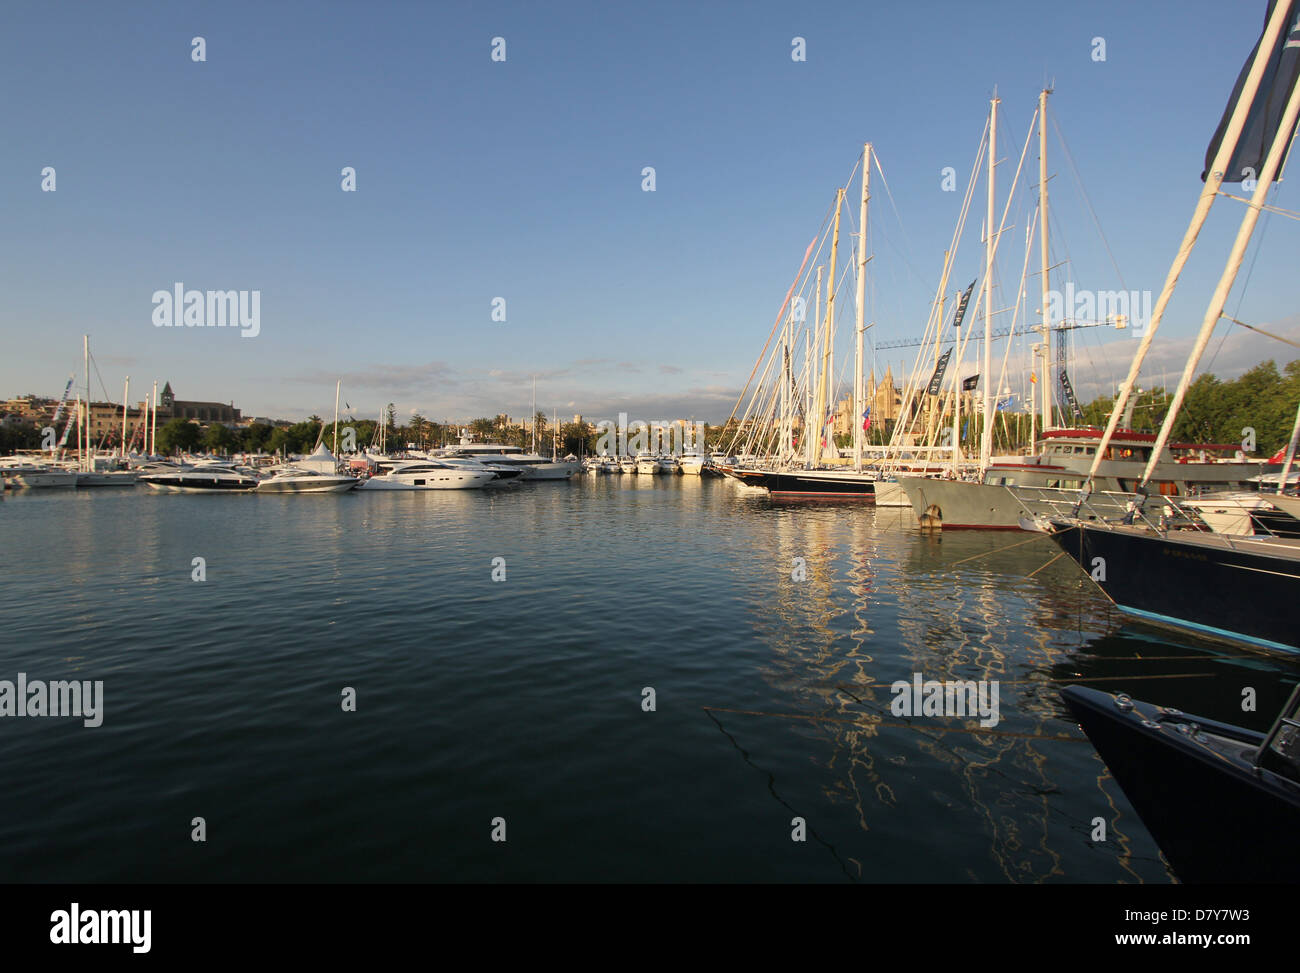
[[478, 179]]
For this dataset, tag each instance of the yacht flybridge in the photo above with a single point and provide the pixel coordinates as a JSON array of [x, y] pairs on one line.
[[532, 465]]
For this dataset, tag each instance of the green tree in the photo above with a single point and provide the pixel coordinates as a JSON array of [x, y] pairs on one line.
[[177, 435], [218, 439]]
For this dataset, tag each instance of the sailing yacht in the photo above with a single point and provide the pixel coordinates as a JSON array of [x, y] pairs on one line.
[[1241, 588], [1059, 469]]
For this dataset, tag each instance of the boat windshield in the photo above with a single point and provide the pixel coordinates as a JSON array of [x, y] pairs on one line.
[[1281, 750]]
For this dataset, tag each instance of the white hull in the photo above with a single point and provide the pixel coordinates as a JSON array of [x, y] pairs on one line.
[[890, 494], [550, 471], [450, 479], [41, 480], [310, 484]]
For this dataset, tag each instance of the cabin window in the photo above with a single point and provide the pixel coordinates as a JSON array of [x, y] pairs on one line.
[[419, 483]]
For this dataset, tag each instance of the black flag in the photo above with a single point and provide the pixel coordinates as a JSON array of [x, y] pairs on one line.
[[937, 379], [1265, 118], [969, 384], [961, 306], [1068, 390]]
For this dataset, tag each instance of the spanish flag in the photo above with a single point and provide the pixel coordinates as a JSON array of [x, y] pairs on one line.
[[1033, 378]]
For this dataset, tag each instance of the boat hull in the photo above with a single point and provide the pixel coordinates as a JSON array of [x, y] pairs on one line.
[[41, 480], [306, 485], [820, 485], [1240, 589], [1214, 815], [122, 478]]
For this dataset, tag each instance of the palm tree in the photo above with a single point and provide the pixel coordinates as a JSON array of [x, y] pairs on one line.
[[417, 425]]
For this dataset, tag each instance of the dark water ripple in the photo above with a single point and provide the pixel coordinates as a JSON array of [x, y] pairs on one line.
[[522, 699]]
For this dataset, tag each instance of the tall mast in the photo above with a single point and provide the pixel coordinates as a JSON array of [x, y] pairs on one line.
[[783, 428], [532, 420], [814, 378], [859, 396], [1042, 255], [337, 388], [85, 350], [827, 360], [1290, 455], [1277, 23], [986, 440], [126, 397], [1281, 141]]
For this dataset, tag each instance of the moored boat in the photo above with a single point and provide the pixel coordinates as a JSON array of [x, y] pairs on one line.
[[290, 479], [1220, 800], [204, 478], [428, 475]]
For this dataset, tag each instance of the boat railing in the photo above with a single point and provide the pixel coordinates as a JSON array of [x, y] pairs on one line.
[[1280, 751], [1043, 504]]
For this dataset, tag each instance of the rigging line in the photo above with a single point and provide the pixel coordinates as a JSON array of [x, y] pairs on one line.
[[1088, 202], [1047, 565], [902, 230], [1267, 334], [779, 319], [1265, 207], [1258, 246], [1036, 537], [867, 724]]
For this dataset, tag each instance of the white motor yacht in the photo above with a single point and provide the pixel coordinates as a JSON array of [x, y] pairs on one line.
[[647, 463], [429, 475], [292, 479], [627, 464], [534, 467], [669, 464], [20, 474], [203, 478], [692, 463]]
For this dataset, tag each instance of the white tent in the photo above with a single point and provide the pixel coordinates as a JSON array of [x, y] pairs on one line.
[[321, 461]]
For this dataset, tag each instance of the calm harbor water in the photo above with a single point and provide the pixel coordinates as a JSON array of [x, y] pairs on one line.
[[522, 699]]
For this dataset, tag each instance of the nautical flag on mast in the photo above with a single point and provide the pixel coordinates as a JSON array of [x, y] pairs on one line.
[[970, 384], [936, 380], [866, 421], [961, 306], [1281, 71]]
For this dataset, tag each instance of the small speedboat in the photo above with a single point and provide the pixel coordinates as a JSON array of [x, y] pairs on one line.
[[1221, 801], [291, 479], [203, 478]]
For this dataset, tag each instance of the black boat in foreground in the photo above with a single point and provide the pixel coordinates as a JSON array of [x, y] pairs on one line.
[[1221, 801], [1240, 588]]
